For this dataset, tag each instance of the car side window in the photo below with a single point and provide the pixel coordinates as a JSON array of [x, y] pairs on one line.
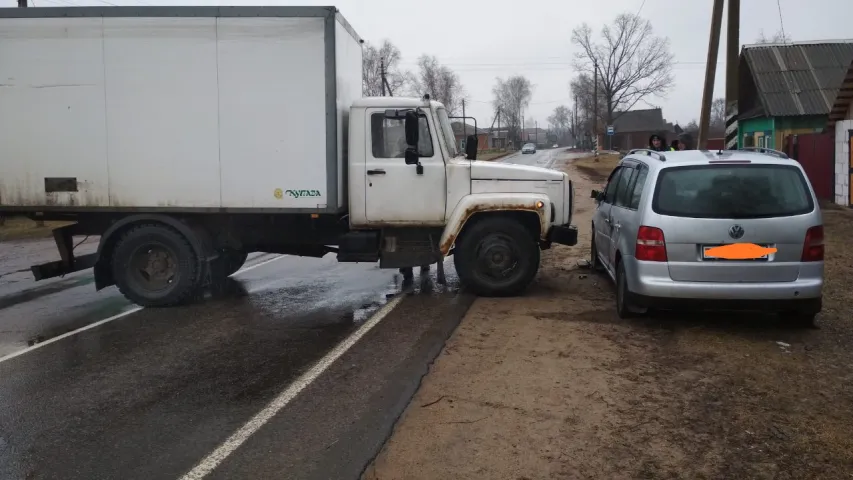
[[388, 136], [637, 190], [610, 189], [623, 191]]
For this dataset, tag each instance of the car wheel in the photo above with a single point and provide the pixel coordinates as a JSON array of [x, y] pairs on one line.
[[594, 262], [624, 307]]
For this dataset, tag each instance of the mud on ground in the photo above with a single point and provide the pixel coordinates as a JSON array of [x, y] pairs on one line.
[[555, 385]]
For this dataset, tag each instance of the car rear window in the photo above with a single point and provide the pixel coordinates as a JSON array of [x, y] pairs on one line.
[[732, 191]]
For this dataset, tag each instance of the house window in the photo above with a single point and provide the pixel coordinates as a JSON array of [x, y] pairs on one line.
[[749, 139]]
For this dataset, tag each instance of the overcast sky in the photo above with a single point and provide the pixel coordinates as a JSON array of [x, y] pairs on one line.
[[484, 39]]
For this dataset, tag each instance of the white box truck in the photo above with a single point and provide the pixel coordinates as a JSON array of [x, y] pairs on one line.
[[188, 137]]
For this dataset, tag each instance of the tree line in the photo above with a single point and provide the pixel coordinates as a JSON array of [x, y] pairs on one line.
[[618, 67], [383, 75]]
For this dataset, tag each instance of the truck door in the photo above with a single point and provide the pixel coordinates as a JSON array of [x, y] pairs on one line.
[[396, 193]]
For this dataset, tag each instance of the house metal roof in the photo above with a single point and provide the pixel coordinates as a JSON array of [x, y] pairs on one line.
[[843, 99], [457, 129], [648, 120], [799, 78]]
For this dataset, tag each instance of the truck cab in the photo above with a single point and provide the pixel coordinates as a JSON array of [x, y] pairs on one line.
[[421, 198]]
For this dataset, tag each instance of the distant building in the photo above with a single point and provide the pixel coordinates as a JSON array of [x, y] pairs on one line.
[[462, 136], [539, 136], [633, 128]]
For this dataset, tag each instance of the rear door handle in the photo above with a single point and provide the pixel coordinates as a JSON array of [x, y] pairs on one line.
[[376, 172]]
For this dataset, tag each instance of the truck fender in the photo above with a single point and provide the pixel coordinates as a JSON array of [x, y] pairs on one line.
[[473, 204], [103, 277]]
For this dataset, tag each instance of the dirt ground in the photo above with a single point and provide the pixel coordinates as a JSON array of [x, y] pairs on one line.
[[555, 385]]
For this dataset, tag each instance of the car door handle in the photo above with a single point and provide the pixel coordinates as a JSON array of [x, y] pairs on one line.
[[376, 172]]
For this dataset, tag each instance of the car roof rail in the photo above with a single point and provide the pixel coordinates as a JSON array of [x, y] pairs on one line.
[[769, 151], [649, 152]]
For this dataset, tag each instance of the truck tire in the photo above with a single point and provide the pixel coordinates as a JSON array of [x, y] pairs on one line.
[[155, 266], [496, 257], [234, 260]]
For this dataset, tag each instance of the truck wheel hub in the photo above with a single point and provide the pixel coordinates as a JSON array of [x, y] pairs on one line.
[[497, 256]]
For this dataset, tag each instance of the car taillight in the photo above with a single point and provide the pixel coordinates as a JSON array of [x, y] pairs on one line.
[[651, 245], [813, 245]]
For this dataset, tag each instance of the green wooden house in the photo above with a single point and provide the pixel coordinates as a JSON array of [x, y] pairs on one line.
[[788, 89]]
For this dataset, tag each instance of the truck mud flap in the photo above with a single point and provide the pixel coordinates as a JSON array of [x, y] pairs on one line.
[[69, 263]]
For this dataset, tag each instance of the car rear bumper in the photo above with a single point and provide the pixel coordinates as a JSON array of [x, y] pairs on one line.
[[650, 283], [563, 234], [804, 305]]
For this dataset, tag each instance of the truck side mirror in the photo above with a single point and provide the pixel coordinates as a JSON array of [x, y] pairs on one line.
[[471, 147], [594, 194], [412, 157], [412, 132]]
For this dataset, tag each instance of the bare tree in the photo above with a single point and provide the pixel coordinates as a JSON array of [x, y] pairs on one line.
[[583, 89], [560, 122], [440, 82], [374, 59], [511, 97], [778, 37], [718, 116], [632, 62]]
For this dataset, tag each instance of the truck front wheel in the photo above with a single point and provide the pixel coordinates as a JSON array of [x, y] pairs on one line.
[[155, 266], [496, 257]]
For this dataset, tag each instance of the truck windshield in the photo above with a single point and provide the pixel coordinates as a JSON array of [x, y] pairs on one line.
[[447, 131]]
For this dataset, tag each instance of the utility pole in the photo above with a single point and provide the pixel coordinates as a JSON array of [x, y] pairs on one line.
[[382, 74], [575, 122], [499, 129], [710, 74], [22, 4], [464, 125], [732, 74], [595, 105]]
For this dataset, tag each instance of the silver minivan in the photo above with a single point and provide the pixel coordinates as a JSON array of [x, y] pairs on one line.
[[663, 217]]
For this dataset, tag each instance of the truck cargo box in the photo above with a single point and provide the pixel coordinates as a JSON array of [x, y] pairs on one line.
[[176, 108]]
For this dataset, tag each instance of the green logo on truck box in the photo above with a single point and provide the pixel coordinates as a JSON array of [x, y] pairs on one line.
[[303, 193]]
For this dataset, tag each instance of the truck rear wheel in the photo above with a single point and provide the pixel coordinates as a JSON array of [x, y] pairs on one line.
[[155, 266], [497, 257]]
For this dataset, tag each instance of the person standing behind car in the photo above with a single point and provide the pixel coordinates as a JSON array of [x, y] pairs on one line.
[[656, 144]]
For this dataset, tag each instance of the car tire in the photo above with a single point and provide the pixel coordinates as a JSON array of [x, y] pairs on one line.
[[171, 271], [486, 249], [624, 306], [594, 262]]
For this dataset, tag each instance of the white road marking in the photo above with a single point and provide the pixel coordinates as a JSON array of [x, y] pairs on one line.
[[110, 319], [238, 438], [252, 267]]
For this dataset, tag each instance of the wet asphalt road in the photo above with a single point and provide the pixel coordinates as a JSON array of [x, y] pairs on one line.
[[150, 394]]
